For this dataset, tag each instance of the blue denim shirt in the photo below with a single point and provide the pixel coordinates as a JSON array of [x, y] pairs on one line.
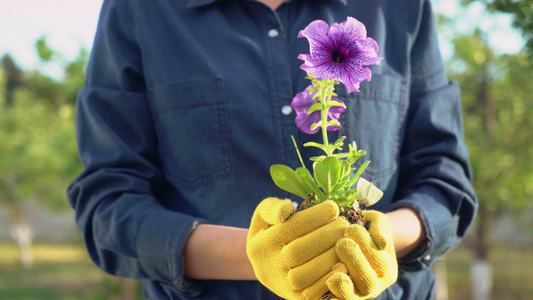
[[185, 108]]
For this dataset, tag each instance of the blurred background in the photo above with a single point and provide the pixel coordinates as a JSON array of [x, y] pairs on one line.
[[44, 47]]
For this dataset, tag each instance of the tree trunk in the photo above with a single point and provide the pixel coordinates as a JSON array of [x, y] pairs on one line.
[[13, 79], [23, 234], [21, 230], [442, 279], [481, 280], [481, 273]]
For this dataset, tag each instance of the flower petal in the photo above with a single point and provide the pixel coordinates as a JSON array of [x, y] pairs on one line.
[[354, 30], [353, 75], [304, 122], [317, 35], [339, 52], [302, 101]]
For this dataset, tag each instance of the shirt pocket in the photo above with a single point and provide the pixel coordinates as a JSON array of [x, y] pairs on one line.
[[373, 119], [191, 124]]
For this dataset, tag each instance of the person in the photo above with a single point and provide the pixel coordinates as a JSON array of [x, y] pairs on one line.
[[186, 106]]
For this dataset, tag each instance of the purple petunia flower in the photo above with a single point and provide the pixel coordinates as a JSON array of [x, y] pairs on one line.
[[303, 101], [340, 52]]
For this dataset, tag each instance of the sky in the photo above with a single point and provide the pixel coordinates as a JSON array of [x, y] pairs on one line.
[[71, 24], [503, 37], [67, 24]]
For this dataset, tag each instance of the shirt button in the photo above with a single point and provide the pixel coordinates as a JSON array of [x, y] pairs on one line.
[[272, 33], [286, 110]]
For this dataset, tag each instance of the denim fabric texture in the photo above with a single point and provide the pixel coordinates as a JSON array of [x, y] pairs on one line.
[[181, 118]]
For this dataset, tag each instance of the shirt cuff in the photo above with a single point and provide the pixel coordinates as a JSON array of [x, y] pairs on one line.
[[160, 242], [438, 223]]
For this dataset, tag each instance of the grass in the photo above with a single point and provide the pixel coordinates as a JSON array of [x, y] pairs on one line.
[[64, 272], [60, 272], [511, 269], [44, 253]]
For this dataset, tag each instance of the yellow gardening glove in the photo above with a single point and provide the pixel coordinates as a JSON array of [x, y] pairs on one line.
[[370, 258], [340, 282], [294, 257]]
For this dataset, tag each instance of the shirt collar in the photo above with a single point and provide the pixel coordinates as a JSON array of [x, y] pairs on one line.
[[198, 3]]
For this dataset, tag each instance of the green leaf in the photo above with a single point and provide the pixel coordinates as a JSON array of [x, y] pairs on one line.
[[355, 154], [334, 123], [327, 174], [335, 103], [353, 147], [313, 144], [367, 193], [315, 125], [339, 143], [358, 173], [340, 155], [43, 49], [314, 107], [346, 170], [317, 158], [309, 183], [287, 179], [353, 195]]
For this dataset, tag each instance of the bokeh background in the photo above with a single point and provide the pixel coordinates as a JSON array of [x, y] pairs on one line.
[[44, 47]]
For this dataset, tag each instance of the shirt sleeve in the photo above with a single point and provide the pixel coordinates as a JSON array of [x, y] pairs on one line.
[[126, 230], [435, 176]]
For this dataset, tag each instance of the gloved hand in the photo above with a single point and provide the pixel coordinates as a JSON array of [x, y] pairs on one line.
[[294, 257], [341, 282], [369, 257]]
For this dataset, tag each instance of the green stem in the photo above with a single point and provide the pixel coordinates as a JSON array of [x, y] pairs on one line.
[[298, 151], [325, 95], [324, 116]]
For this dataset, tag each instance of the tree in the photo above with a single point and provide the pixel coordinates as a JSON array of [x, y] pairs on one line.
[[13, 78], [522, 11], [38, 144], [498, 113]]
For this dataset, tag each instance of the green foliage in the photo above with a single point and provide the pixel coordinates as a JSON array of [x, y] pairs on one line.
[[43, 50], [328, 173], [38, 150], [38, 137], [11, 80], [334, 179], [288, 180], [522, 11], [57, 91], [497, 99]]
